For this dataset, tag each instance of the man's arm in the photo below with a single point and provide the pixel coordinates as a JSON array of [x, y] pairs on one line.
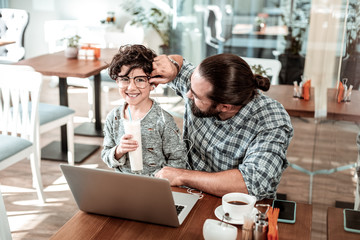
[[164, 70], [218, 183]]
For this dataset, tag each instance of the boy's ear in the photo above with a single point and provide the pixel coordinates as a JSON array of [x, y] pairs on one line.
[[153, 86]]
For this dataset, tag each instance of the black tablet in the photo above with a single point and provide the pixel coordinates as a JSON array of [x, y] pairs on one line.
[[352, 220], [287, 212]]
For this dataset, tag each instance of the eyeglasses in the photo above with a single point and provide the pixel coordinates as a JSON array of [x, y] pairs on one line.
[[139, 81]]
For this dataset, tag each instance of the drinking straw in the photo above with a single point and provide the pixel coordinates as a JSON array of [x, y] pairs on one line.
[[129, 114]]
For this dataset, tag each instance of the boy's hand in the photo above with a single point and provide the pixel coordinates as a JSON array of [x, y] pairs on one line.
[[125, 145]]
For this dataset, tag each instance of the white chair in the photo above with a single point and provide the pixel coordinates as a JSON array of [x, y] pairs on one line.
[[13, 23], [5, 232], [50, 116], [272, 66], [19, 121], [216, 33]]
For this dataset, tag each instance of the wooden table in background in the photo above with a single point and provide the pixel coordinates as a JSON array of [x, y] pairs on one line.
[[56, 64], [335, 226], [242, 29], [243, 36], [91, 226], [296, 107], [343, 111], [5, 42]]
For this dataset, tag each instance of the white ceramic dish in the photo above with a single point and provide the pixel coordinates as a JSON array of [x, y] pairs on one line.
[[219, 213]]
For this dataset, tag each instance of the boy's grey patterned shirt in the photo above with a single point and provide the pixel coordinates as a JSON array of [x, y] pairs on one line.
[[254, 141], [161, 141]]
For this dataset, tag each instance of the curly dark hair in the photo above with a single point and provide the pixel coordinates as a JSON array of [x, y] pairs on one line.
[[232, 79], [134, 56]]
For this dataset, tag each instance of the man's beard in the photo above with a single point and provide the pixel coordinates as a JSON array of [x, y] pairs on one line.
[[211, 112]]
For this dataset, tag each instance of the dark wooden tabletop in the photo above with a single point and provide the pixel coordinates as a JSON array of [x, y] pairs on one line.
[[343, 111], [335, 226], [56, 64], [91, 226], [296, 107]]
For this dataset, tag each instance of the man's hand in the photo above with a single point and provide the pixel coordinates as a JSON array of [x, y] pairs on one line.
[[164, 70], [217, 183], [171, 174]]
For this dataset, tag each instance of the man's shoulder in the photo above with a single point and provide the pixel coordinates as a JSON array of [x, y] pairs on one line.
[[266, 109], [266, 103]]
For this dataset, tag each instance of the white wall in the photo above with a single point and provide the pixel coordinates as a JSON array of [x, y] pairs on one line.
[[85, 10]]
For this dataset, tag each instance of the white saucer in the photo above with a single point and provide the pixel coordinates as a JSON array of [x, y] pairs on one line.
[[219, 213]]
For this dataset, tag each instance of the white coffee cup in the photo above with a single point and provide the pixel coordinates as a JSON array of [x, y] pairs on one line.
[[215, 230], [136, 160], [238, 204]]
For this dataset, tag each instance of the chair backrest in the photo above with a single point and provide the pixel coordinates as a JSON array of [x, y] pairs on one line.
[[212, 25], [272, 67], [19, 101], [215, 29], [13, 23]]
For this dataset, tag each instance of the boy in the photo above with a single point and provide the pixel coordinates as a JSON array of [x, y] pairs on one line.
[[161, 141]]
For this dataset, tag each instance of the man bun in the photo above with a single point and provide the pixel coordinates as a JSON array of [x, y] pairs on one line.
[[262, 83]]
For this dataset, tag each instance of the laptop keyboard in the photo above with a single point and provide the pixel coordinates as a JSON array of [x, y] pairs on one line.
[[179, 208]]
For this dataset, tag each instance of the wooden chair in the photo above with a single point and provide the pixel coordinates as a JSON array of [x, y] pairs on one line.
[[13, 23], [19, 121], [50, 116], [5, 232]]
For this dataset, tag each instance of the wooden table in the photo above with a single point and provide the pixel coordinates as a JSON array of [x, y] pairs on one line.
[[5, 42], [243, 29], [243, 36], [90, 226], [56, 64], [296, 107], [335, 226], [343, 111]]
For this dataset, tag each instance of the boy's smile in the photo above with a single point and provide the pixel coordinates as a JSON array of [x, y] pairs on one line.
[[137, 98]]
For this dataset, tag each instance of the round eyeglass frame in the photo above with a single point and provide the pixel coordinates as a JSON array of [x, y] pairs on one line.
[[134, 79]]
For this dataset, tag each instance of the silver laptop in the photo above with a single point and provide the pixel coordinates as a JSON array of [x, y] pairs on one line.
[[127, 196]]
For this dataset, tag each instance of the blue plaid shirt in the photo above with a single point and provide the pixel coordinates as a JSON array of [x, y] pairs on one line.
[[254, 141]]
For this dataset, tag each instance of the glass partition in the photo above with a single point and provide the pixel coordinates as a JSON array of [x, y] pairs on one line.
[[316, 39]]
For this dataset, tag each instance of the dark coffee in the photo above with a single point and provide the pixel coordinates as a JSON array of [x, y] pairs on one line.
[[238, 202]]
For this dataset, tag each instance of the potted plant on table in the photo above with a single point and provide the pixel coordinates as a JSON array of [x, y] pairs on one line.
[[72, 46]]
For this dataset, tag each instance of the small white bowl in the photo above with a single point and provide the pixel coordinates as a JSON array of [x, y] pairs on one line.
[[217, 230]]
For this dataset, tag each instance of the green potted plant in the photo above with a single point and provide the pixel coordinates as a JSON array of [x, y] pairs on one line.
[[260, 70], [151, 18], [291, 59], [72, 46]]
